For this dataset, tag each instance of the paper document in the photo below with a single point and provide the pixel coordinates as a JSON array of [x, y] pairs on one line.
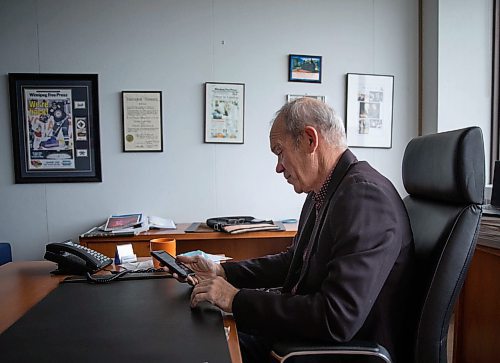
[[158, 222], [139, 265], [125, 253], [208, 256]]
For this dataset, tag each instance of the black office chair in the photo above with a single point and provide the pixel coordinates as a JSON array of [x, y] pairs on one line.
[[444, 176], [5, 253]]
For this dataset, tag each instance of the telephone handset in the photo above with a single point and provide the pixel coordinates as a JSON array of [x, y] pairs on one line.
[[75, 259]]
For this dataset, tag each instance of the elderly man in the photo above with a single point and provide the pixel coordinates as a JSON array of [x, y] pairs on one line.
[[349, 271]]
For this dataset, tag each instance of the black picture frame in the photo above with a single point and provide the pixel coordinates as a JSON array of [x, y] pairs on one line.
[[55, 127], [142, 115], [304, 68]]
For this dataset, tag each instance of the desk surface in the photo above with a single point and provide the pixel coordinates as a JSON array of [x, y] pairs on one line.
[[24, 284]]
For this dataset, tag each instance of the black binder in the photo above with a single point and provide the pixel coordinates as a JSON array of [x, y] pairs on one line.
[[129, 321]]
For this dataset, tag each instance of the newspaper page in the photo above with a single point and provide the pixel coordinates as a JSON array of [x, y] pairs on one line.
[[49, 123], [224, 107]]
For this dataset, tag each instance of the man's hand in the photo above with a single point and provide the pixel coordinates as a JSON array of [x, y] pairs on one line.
[[203, 268], [215, 290]]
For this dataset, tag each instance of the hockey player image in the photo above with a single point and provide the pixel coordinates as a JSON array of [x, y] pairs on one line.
[[38, 131], [61, 124]]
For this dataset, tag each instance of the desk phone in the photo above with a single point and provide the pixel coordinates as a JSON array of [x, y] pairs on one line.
[[75, 259]]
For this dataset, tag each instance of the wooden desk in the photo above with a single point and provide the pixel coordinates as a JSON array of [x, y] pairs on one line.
[[477, 315], [24, 284], [238, 246]]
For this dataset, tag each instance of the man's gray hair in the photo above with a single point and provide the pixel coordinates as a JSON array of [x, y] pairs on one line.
[[304, 112]]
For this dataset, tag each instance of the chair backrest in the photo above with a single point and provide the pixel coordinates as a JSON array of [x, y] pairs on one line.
[[444, 176], [5, 253]]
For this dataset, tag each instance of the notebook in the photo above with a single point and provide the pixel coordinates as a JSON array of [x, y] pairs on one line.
[[493, 209]]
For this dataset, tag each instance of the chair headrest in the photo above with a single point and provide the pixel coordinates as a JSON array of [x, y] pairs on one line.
[[447, 166]]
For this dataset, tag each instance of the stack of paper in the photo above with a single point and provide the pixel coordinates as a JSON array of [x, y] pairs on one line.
[[158, 222], [128, 225], [490, 228]]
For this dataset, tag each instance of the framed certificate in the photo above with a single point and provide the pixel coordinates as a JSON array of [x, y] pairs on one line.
[[142, 121]]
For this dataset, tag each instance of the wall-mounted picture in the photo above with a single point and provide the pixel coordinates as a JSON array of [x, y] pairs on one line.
[[224, 112], [142, 121], [369, 103], [55, 127], [290, 98], [304, 68]]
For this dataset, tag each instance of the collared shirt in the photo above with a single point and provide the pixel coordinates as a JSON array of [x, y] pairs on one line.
[[320, 197]]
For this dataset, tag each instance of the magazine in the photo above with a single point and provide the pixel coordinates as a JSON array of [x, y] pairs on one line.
[[123, 221]]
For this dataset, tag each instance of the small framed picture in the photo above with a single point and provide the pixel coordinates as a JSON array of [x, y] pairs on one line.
[[142, 121], [290, 98], [369, 110], [55, 127], [224, 112], [304, 68]]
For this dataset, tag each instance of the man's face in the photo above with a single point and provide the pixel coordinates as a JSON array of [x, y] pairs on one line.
[[293, 160]]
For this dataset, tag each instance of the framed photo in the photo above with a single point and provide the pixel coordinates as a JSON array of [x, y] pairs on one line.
[[304, 68], [224, 112], [55, 127], [369, 110], [142, 121], [290, 98]]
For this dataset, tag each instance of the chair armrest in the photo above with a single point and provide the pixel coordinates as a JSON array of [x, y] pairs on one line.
[[373, 352]]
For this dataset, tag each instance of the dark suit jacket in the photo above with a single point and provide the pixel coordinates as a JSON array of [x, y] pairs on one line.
[[357, 281]]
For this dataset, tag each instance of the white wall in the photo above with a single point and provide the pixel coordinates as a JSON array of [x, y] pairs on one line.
[[430, 65], [465, 62], [457, 61], [176, 46]]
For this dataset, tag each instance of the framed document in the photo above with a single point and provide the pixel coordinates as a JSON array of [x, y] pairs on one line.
[[369, 110], [224, 112], [55, 127], [291, 97], [142, 121]]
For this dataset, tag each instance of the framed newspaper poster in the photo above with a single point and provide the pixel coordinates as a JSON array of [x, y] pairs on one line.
[[55, 127], [142, 121], [224, 112], [369, 110]]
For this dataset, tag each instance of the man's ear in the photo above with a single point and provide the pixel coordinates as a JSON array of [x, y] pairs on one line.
[[311, 138]]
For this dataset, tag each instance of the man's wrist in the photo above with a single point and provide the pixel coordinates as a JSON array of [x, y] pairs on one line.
[[220, 271]]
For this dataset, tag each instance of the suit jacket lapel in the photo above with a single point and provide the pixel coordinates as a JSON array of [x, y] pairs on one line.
[[301, 241], [346, 160]]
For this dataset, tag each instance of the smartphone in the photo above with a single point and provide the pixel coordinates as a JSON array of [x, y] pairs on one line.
[[168, 260]]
